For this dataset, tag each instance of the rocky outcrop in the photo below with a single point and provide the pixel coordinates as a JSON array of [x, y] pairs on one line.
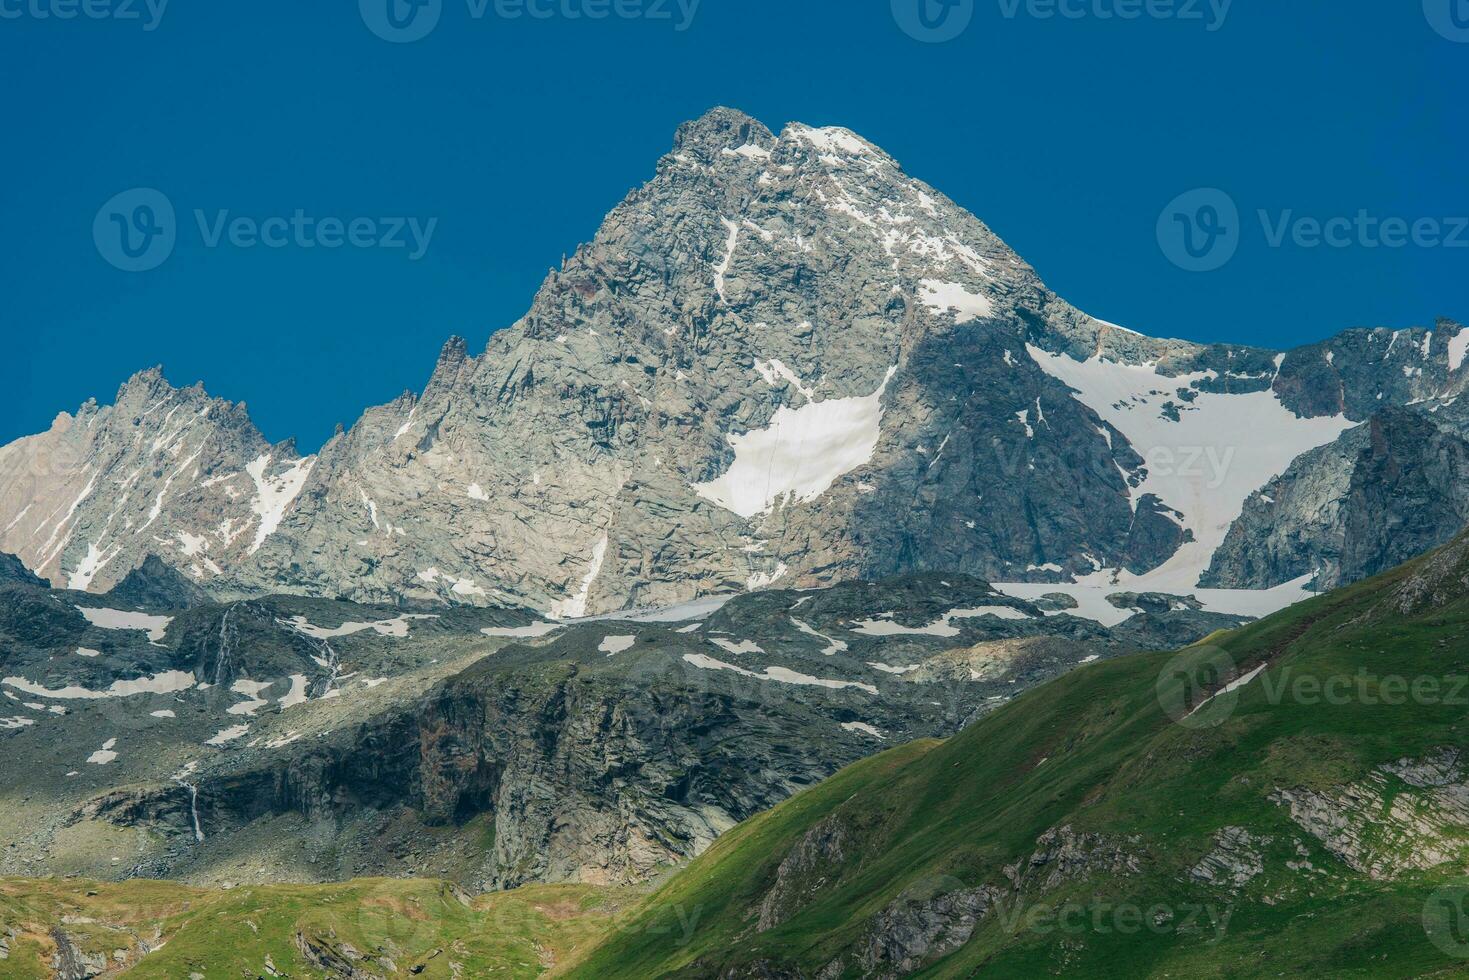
[[1235, 860], [71, 962], [927, 922], [936, 916], [1383, 493], [157, 586], [1412, 814], [1441, 578], [1062, 855], [806, 870]]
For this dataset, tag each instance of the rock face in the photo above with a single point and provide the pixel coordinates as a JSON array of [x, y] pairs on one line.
[[160, 471], [805, 871], [1383, 493], [155, 585], [285, 738], [920, 928], [781, 360], [1404, 816], [1235, 860]]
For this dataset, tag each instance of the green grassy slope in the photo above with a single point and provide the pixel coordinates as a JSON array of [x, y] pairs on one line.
[[1098, 752], [380, 928]]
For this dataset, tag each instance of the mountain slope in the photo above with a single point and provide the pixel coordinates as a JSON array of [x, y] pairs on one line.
[[368, 930], [148, 734], [781, 360], [1140, 817], [161, 471], [1378, 496]]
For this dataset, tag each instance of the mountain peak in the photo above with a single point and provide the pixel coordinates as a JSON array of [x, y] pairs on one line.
[[720, 129], [149, 382]]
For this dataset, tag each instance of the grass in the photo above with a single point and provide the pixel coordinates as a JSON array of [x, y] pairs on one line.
[[1096, 751], [393, 927]]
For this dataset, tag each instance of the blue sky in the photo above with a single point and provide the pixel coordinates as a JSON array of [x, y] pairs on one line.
[[1068, 135]]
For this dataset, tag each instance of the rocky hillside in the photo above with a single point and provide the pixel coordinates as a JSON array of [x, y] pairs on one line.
[[148, 734], [781, 361], [1287, 799]]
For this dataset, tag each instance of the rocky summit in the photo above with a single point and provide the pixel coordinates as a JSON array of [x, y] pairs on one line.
[[781, 362]]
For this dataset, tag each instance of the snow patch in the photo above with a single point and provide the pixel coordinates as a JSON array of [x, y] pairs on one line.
[[742, 647], [1458, 348], [576, 606], [614, 645], [764, 580], [832, 646], [156, 626], [1205, 465], [397, 628], [168, 682], [522, 632], [722, 268], [945, 297], [749, 151], [229, 735], [800, 454], [944, 627], [779, 675], [81, 577], [274, 494], [773, 371]]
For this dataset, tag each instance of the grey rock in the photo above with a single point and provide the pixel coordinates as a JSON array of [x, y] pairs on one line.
[[805, 871], [753, 277], [1381, 494], [1403, 816], [1235, 860], [927, 922]]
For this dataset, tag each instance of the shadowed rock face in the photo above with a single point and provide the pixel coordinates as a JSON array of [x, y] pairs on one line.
[[1378, 496], [781, 360], [155, 585], [302, 739]]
